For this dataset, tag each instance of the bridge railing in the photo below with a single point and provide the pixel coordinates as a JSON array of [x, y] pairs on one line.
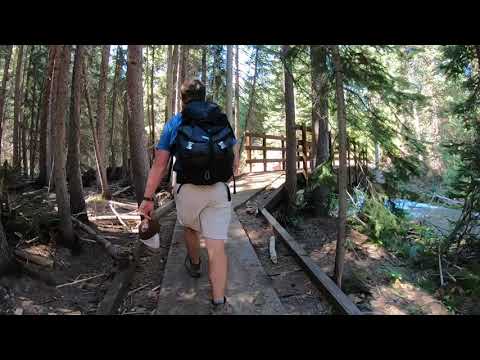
[[259, 148]]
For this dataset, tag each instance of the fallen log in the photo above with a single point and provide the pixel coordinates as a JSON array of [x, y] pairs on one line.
[[162, 210], [37, 273], [119, 287], [36, 259], [117, 252], [447, 200]]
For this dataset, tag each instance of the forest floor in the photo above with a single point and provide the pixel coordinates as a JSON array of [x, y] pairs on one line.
[[24, 294], [375, 280]]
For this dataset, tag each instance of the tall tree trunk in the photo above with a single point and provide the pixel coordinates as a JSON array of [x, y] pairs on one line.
[[175, 57], [23, 124], [291, 153], [98, 159], [32, 134], [3, 89], [182, 73], [251, 99], [77, 201], [168, 98], [138, 150], [229, 92], [34, 137], [125, 167], [101, 115], [237, 94], [342, 175], [204, 64], [113, 147], [152, 107], [17, 108], [318, 57], [63, 200], [6, 256], [45, 119]]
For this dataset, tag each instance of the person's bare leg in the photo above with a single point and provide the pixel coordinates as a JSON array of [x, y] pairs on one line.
[[217, 268], [192, 241]]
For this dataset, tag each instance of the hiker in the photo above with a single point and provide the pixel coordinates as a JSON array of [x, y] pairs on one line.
[[206, 157]]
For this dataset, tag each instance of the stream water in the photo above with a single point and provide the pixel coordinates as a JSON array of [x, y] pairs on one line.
[[440, 218]]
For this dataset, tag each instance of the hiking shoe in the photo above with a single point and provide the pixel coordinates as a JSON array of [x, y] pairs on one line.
[[192, 269], [221, 309]]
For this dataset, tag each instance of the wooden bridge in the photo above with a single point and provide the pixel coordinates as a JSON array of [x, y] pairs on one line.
[[268, 153]]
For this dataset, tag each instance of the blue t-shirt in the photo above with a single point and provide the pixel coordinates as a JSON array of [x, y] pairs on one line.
[[167, 140]]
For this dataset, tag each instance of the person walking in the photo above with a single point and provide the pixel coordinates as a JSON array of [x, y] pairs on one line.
[[203, 143]]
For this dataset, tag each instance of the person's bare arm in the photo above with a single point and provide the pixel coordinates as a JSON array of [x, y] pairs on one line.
[[156, 174]]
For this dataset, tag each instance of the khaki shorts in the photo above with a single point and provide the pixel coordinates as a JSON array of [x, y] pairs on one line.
[[204, 208]]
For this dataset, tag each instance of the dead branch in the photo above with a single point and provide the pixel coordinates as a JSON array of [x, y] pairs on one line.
[[114, 217], [115, 251], [80, 281], [118, 192], [124, 205], [36, 259], [119, 217], [130, 293]]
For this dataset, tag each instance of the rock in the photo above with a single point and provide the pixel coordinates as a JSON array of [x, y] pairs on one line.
[[18, 311]]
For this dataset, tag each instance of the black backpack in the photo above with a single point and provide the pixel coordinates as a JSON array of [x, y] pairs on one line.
[[204, 145]]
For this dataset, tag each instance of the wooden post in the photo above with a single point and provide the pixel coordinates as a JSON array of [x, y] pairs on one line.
[[264, 144], [283, 155], [249, 151]]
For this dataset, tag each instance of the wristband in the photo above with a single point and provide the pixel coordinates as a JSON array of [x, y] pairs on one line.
[[148, 198]]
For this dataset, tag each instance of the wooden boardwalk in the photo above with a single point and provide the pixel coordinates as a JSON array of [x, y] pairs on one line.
[[249, 289]]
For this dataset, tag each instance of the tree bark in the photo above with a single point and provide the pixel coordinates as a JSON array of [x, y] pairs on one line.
[[3, 89], [342, 175], [6, 255], [251, 99], [113, 147], [174, 80], [237, 94], [32, 133], [182, 73], [152, 107], [125, 168], [318, 57], [229, 92], [291, 154], [77, 201], [45, 155], [98, 158], [101, 119], [138, 150], [204, 64], [17, 108], [168, 98], [23, 124], [34, 136], [63, 199]]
